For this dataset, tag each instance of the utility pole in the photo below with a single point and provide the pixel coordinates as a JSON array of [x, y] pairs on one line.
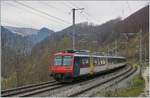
[[140, 51], [116, 47], [73, 15], [145, 53], [108, 50], [126, 43]]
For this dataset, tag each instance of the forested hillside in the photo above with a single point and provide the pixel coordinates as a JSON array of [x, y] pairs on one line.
[[16, 51]]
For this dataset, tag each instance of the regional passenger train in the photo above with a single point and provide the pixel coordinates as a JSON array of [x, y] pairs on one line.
[[70, 64]]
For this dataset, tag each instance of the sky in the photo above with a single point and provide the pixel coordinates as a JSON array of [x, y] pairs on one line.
[[57, 15]]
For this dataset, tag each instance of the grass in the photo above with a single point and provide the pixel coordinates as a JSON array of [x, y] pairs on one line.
[[135, 89]]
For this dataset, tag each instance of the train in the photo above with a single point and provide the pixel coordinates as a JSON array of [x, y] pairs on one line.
[[71, 64]]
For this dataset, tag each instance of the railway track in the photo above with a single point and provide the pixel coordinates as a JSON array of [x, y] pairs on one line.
[[64, 91], [54, 88], [83, 88], [28, 88], [70, 89], [91, 91]]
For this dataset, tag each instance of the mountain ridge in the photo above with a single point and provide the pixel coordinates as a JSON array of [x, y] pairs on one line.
[[22, 30]]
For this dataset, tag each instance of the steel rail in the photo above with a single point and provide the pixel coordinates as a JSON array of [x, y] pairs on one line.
[[64, 91], [38, 91], [108, 84], [101, 83], [27, 88]]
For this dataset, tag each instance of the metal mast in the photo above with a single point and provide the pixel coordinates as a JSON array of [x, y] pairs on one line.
[[73, 15], [140, 51]]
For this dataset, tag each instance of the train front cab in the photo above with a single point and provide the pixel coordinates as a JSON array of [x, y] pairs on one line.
[[62, 69]]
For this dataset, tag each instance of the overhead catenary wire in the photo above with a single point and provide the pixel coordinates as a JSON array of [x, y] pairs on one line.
[[87, 14], [57, 9], [86, 18], [92, 17], [40, 15], [71, 5], [51, 6], [67, 5], [42, 12], [128, 5]]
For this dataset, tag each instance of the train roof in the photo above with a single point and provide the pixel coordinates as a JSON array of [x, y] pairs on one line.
[[86, 53], [100, 56]]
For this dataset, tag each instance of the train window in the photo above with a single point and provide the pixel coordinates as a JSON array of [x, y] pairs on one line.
[[82, 61], [104, 61], [58, 60], [87, 61], [95, 60], [67, 60], [99, 61]]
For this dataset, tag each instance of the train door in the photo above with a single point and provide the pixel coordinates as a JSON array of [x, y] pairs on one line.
[[76, 66]]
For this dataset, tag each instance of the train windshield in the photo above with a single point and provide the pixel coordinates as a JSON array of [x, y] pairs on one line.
[[63, 60], [58, 60], [67, 60]]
